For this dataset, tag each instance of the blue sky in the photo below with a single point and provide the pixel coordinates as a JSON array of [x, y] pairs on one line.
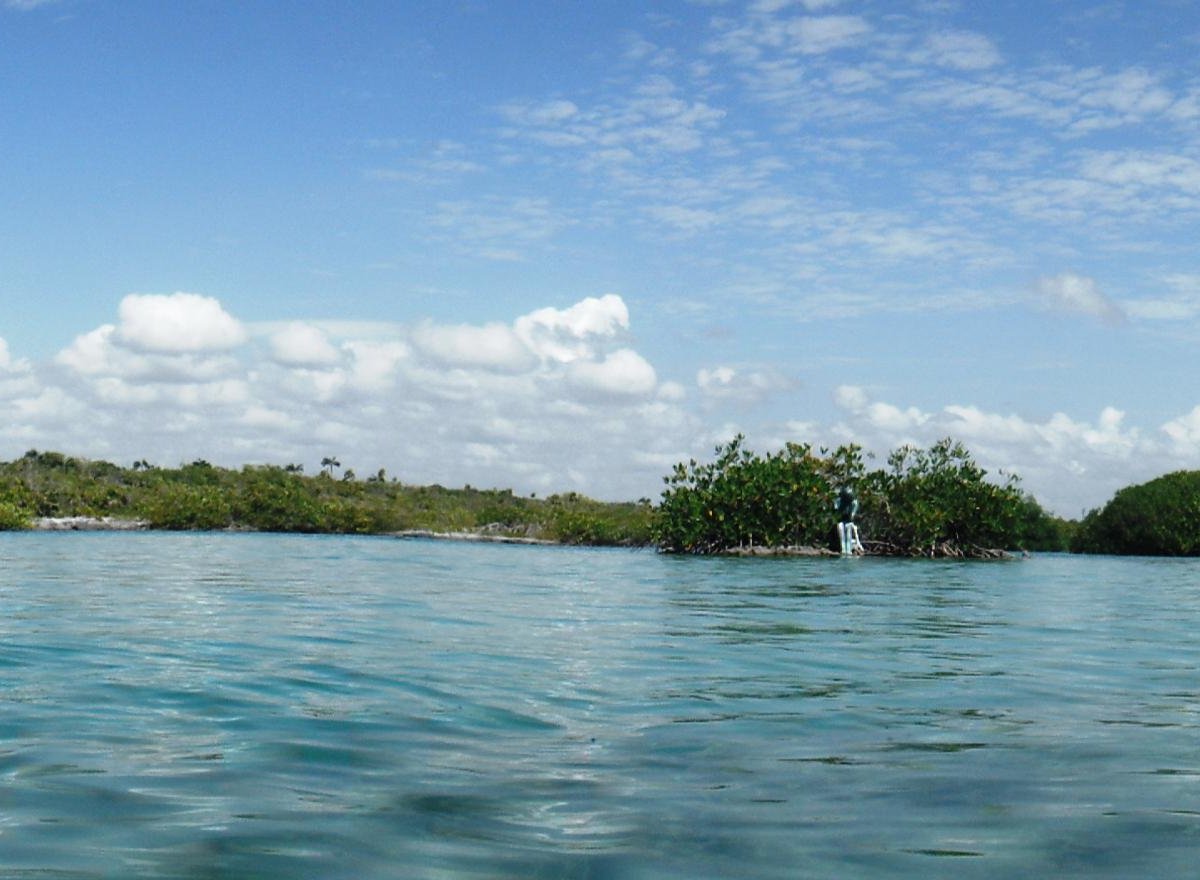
[[560, 246]]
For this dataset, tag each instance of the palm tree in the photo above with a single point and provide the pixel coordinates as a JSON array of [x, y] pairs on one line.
[[329, 463]]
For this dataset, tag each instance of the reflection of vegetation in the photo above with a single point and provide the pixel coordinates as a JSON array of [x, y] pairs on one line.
[[268, 498], [1158, 518], [931, 502]]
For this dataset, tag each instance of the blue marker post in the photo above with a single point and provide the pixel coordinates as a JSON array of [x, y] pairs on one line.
[[847, 508]]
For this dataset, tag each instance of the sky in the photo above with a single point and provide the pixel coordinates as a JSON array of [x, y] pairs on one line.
[[561, 246]]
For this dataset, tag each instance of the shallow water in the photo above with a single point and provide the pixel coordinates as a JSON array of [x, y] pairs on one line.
[[264, 706]]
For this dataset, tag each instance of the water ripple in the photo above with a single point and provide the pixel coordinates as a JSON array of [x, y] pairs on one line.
[[201, 706]]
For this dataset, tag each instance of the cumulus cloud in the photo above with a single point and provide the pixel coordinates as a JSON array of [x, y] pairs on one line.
[[177, 323], [566, 335], [1077, 294], [302, 345], [881, 417], [9, 364], [493, 346], [1069, 464], [1184, 433], [102, 353], [556, 399], [624, 372]]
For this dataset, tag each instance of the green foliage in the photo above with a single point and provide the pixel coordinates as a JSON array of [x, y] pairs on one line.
[[574, 519], [937, 500], [180, 506], [743, 499], [934, 501], [12, 516], [1039, 530], [200, 495], [1158, 518]]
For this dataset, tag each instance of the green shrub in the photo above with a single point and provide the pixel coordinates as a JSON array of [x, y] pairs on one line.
[[743, 499], [934, 501], [938, 499], [181, 506], [13, 517], [1158, 518]]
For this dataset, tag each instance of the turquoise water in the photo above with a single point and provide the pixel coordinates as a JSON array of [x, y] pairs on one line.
[[256, 706]]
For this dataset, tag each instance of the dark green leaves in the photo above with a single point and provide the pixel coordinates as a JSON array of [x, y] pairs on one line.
[[929, 502]]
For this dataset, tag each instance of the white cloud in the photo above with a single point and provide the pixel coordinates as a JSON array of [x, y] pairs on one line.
[[1132, 93], [651, 120], [588, 413], [741, 386], [302, 345], [1079, 294], [826, 33], [375, 365], [540, 114], [566, 335], [683, 218], [555, 400], [1141, 169], [1181, 303], [1068, 464], [177, 323], [624, 373], [8, 364], [880, 417], [493, 346], [963, 50], [1184, 433], [101, 353]]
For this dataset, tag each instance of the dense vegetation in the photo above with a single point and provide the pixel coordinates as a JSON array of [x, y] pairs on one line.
[[925, 502], [1158, 518], [270, 498], [928, 502]]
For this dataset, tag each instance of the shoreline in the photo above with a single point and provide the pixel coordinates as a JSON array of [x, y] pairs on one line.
[[474, 537], [87, 524], [115, 524]]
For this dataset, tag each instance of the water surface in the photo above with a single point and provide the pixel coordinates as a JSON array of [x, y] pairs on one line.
[[265, 706]]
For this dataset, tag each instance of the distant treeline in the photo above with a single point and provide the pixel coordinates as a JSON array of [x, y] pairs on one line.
[[1158, 518], [200, 495], [925, 502]]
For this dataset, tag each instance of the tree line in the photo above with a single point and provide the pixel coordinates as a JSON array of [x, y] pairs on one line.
[[924, 502], [202, 496]]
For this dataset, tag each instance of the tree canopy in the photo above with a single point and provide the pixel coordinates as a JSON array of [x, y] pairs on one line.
[[1157, 518], [927, 502]]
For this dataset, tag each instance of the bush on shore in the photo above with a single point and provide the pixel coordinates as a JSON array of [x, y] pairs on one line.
[[928, 502]]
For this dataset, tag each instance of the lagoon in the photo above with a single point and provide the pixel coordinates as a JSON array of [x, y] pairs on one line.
[[275, 706]]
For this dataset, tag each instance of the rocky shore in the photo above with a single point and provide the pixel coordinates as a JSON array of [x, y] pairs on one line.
[[88, 524]]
